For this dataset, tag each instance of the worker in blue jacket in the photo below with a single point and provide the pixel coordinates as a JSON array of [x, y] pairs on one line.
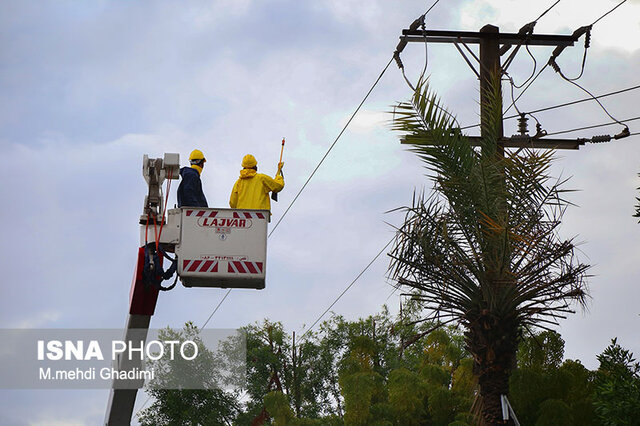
[[190, 190]]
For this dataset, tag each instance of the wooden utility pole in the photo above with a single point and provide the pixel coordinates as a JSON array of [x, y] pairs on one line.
[[493, 44], [490, 72]]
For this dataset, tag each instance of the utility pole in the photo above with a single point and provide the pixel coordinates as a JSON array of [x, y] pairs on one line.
[[490, 71], [493, 44]]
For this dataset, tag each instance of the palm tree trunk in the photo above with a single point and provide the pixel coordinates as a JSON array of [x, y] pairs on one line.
[[493, 343]]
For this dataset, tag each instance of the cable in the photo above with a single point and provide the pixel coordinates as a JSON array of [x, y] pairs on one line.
[[546, 11], [313, 173], [593, 97], [525, 89], [330, 148], [563, 104], [578, 101], [215, 310], [432, 6], [592, 127], [349, 286], [619, 4], [535, 66], [322, 160]]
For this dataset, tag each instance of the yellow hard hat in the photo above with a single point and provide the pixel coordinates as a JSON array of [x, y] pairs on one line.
[[196, 154], [249, 161]]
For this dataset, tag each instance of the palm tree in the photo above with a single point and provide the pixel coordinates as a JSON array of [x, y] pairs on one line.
[[483, 249]]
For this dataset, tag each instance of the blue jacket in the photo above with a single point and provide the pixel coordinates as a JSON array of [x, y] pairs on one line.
[[190, 190]]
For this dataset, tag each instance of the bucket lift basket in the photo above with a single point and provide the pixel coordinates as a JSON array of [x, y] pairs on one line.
[[224, 248]]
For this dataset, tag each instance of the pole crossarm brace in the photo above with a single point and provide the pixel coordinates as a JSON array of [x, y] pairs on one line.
[[522, 142], [471, 37]]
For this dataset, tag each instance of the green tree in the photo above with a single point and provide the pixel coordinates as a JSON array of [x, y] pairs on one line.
[[554, 412], [541, 383], [617, 395], [208, 405], [483, 249]]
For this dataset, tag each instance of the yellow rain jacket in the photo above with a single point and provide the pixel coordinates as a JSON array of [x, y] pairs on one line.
[[251, 190]]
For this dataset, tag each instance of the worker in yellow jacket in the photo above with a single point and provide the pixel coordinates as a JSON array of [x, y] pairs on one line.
[[251, 190]]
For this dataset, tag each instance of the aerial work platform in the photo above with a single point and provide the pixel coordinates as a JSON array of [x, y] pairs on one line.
[[225, 248], [222, 247]]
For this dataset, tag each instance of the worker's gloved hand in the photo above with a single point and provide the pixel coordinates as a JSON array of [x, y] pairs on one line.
[[280, 165]]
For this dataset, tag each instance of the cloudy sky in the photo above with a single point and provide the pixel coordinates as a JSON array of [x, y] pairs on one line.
[[88, 88]]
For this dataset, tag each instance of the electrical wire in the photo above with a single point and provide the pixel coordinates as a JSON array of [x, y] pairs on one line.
[[619, 4], [349, 286], [578, 101], [573, 80], [563, 104], [526, 88], [592, 127], [432, 6], [215, 310], [390, 241], [594, 98], [535, 66], [547, 11], [314, 171], [330, 148], [302, 189]]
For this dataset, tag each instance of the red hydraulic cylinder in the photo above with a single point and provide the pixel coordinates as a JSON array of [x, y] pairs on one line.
[[142, 298]]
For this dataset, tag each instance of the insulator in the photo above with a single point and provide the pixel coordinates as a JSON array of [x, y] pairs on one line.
[[523, 128], [554, 65], [396, 56], [540, 132], [587, 38], [415, 24], [600, 138], [623, 134]]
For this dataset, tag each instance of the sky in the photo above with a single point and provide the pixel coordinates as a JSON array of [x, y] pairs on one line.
[[88, 88]]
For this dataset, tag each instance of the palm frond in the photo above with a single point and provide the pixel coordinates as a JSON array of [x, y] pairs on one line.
[[487, 237]]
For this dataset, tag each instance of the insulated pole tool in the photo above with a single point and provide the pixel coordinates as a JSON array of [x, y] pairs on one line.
[[274, 195]]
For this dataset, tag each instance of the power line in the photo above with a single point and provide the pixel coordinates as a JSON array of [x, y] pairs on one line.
[[525, 89], [331, 147], [323, 158], [215, 310], [592, 127], [619, 4], [547, 11], [530, 29], [578, 101], [349, 286], [312, 173], [563, 104], [583, 60], [340, 134], [432, 6]]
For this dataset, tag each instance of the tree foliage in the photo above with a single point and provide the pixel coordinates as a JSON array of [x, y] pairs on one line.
[[617, 397], [363, 373], [483, 250], [210, 405]]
